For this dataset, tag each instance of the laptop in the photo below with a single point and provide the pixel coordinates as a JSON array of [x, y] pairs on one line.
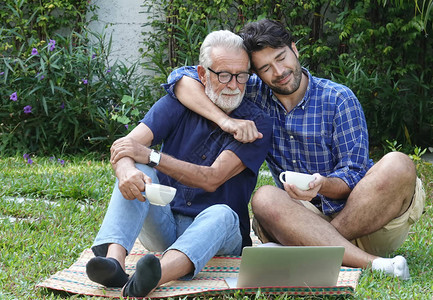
[[301, 266]]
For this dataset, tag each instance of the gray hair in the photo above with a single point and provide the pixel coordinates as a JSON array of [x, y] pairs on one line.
[[219, 38]]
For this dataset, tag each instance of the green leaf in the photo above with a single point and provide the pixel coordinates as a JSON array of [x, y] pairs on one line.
[[123, 119], [52, 86], [44, 105], [126, 99]]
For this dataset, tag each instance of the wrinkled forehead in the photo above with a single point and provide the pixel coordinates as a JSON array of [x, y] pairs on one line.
[[231, 60]]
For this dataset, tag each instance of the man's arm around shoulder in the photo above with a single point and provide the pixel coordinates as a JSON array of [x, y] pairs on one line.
[[190, 92]]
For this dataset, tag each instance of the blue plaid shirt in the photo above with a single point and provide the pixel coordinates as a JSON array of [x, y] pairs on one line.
[[325, 133]]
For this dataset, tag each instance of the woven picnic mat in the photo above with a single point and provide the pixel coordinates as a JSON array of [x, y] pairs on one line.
[[209, 282]]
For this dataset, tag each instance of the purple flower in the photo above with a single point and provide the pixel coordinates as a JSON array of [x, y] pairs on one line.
[[52, 45], [41, 76], [93, 56], [62, 106], [1, 73], [27, 109], [85, 81], [126, 126], [35, 51], [14, 96], [108, 70], [61, 161], [26, 157]]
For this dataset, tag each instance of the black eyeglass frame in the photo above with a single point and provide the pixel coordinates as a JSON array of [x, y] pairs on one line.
[[231, 76]]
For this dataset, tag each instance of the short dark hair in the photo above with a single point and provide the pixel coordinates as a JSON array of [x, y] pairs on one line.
[[265, 33]]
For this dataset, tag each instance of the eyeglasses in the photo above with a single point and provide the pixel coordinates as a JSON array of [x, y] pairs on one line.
[[226, 77]]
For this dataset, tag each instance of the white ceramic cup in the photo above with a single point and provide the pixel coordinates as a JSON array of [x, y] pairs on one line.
[[300, 180], [159, 194]]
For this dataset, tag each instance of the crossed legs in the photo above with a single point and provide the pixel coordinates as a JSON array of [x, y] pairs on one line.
[[382, 195]]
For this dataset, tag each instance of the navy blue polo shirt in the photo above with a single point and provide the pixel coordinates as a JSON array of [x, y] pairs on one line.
[[187, 136]]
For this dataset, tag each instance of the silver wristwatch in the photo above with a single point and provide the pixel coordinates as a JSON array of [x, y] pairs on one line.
[[154, 158]]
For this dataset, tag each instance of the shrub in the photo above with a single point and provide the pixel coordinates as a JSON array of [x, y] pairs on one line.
[[387, 65], [66, 98], [39, 20], [377, 48], [62, 94]]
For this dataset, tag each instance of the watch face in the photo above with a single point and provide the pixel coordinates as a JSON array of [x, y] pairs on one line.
[[154, 158]]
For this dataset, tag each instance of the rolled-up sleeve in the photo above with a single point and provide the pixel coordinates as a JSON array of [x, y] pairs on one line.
[[350, 142]]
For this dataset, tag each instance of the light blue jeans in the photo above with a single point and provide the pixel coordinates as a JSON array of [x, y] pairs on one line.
[[215, 231]]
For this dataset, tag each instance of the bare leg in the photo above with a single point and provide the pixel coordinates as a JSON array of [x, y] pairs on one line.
[[174, 264], [382, 195], [118, 253], [290, 223]]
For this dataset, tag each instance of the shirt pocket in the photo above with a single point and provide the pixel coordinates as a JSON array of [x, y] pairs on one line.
[[206, 153]]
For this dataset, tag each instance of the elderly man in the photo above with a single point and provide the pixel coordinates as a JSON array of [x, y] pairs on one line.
[[319, 128], [213, 173]]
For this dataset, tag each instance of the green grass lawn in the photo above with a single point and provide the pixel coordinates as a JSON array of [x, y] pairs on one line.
[[50, 211]]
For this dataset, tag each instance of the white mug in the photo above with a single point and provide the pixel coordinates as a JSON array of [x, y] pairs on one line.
[[159, 194], [300, 180]]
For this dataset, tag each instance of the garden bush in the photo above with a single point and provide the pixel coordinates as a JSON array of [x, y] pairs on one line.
[[59, 92], [388, 65], [380, 49]]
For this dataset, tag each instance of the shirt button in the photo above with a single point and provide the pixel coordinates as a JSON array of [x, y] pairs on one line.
[[294, 161], [188, 203], [291, 137], [203, 157]]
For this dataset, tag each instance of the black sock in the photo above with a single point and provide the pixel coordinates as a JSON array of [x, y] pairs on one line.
[[106, 271], [145, 278]]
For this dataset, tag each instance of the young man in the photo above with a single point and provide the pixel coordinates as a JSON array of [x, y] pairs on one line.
[[318, 128], [213, 173]]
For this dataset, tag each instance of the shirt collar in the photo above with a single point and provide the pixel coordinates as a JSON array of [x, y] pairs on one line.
[[306, 99]]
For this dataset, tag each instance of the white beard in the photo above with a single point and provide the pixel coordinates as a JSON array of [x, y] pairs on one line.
[[226, 103]]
